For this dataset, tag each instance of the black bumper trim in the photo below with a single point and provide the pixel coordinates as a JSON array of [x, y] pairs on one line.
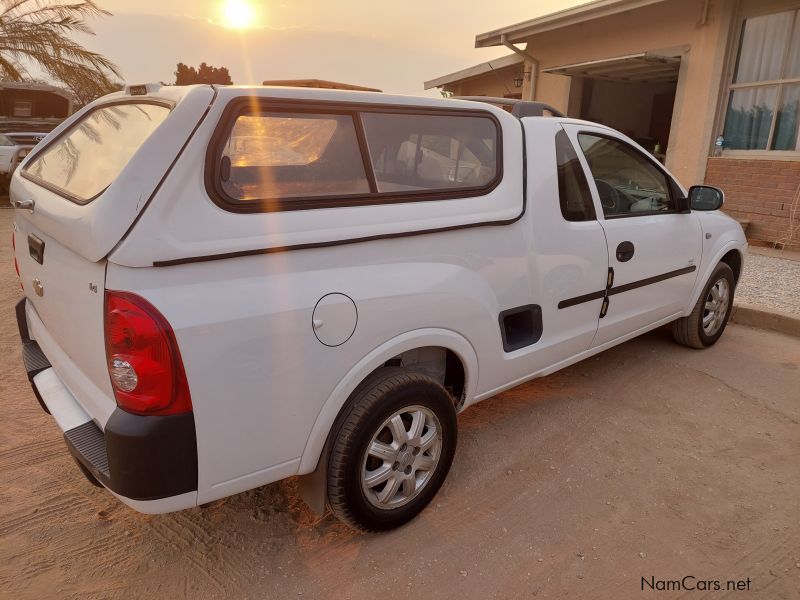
[[22, 320], [136, 456], [35, 362], [88, 440], [34, 359], [32, 356], [139, 457]]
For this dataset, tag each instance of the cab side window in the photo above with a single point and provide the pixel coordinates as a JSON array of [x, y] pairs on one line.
[[573, 189], [628, 183]]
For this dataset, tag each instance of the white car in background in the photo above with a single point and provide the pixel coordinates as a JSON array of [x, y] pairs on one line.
[[227, 286], [14, 147]]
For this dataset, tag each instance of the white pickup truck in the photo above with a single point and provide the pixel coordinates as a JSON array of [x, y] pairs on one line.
[[227, 286]]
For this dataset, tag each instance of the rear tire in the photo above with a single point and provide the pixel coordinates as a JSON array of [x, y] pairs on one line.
[[392, 449], [704, 326]]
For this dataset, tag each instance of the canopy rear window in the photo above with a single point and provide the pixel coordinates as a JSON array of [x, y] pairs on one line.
[[82, 162]]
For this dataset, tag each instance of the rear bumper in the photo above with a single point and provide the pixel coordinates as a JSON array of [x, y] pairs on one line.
[[149, 462]]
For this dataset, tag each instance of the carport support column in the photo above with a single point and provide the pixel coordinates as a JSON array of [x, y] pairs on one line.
[[529, 87], [530, 65]]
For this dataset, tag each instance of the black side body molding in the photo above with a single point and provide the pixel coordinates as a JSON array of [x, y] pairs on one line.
[[650, 280], [581, 299], [624, 288]]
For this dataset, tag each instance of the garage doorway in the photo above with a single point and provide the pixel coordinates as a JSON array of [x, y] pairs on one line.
[[634, 94]]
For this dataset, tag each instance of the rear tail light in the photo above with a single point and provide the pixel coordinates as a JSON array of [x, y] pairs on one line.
[[143, 358]]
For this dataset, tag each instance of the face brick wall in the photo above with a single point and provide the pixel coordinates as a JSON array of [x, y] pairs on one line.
[[761, 191]]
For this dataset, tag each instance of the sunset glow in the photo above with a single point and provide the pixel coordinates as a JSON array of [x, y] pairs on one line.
[[238, 14]]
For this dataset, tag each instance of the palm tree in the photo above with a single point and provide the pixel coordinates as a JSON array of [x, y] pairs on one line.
[[36, 32]]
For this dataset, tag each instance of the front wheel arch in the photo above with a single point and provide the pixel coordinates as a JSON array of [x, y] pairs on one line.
[[734, 260], [732, 250], [706, 322]]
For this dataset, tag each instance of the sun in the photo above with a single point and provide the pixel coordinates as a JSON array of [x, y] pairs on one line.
[[238, 14]]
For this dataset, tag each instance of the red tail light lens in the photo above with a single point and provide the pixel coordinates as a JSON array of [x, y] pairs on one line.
[[143, 358]]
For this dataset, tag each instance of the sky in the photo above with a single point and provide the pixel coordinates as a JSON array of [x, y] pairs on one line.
[[394, 46]]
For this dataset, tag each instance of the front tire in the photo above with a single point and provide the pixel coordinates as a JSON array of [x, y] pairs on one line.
[[704, 326], [392, 450]]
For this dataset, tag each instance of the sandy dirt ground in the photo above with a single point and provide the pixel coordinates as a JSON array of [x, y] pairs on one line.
[[650, 460]]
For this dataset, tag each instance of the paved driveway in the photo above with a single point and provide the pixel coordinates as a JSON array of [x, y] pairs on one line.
[[650, 461]]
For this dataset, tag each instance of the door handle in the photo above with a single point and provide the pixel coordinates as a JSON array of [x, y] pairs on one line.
[[625, 251], [23, 204]]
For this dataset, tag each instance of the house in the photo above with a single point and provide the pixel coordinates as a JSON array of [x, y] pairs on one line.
[[711, 87]]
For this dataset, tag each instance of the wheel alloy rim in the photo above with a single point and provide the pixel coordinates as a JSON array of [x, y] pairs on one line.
[[716, 307], [401, 457]]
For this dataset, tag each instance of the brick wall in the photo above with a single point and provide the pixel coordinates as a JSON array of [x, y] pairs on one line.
[[760, 191]]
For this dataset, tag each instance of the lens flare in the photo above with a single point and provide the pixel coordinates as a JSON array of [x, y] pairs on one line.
[[238, 14]]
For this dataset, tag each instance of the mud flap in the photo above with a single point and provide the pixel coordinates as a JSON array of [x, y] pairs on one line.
[[313, 487]]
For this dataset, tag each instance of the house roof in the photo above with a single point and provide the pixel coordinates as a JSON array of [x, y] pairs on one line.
[[564, 18], [485, 67], [651, 67], [32, 86]]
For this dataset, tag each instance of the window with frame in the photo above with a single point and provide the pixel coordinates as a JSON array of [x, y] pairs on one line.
[[628, 183], [22, 108], [286, 155], [573, 188], [279, 158], [82, 162], [414, 153], [764, 98]]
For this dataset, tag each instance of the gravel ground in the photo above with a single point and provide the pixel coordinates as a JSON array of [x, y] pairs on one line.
[[770, 282]]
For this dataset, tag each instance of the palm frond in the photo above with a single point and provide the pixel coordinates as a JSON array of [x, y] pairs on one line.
[[38, 31]]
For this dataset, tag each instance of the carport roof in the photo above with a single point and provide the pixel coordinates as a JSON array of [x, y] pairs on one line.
[[563, 18], [485, 67], [643, 67]]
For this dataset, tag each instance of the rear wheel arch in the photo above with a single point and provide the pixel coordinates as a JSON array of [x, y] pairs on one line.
[[437, 362], [391, 449], [461, 368]]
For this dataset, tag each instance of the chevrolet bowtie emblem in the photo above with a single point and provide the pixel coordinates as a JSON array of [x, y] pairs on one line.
[[38, 287]]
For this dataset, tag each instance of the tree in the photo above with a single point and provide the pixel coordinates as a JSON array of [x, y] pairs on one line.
[[186, 75], [37, 32]]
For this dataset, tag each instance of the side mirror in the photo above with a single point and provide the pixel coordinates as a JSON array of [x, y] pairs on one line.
[[682, 205], [705, 197]]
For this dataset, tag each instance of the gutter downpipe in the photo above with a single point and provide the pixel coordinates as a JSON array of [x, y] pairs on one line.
[[704, 14], [528, 58]]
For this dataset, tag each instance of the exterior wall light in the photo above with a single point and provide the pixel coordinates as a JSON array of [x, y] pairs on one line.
[[520, 78]]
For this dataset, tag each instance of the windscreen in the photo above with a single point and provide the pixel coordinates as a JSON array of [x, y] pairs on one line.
[[82, 163]]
